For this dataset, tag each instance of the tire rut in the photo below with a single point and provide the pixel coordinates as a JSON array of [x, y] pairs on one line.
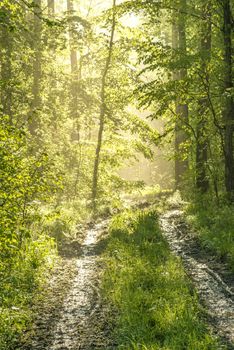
[[82, 320], [83, 301], [215, 292]]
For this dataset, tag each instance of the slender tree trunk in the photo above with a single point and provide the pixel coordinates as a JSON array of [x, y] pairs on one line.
[[74, 87], [228, 113], [103, 109], [51, 7], [37, 74], [179, 43], [202, 182], [52, 81], [6, 68]]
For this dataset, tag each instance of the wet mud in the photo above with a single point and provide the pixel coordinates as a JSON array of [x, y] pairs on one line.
[[213, 282], [74, 316]]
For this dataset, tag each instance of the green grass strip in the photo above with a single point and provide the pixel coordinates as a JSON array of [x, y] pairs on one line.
[[156, 305], [214, 227]]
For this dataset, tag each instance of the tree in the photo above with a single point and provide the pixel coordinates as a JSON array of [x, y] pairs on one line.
[[228, 111], [74, 70], [103, 110], [51, 7], [6, 64], [202, 142], [179, 44], [37, 69]]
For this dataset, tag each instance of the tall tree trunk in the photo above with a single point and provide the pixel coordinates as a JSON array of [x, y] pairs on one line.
[[74, 114], [179, 43], [103, 109], [52, 81], [6, 67], [51, 7], [228, 113], [37, 74], [202, 182]]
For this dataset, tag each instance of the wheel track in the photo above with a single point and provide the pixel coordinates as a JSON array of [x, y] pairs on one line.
[[215, 294], [81, 322]]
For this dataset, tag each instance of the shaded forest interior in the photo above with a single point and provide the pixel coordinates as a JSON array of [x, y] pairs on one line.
[[92, 93]]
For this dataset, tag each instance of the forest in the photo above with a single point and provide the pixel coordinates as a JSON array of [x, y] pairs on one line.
[[116, 174]]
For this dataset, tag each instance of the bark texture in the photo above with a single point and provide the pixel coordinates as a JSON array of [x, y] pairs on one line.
[[228, 113]]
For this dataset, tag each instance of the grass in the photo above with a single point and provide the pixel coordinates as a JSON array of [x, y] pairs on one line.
[[156, 306], [24, 271], [214, 226], [21, 276]]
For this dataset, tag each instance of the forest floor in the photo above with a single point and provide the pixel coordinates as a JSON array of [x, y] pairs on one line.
[[72, 315]]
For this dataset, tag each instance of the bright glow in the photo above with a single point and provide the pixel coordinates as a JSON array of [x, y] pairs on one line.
[[131, 20]]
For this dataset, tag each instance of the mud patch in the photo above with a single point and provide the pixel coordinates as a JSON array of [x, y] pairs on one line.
[[213, 285], [47, 306], [76, 317]]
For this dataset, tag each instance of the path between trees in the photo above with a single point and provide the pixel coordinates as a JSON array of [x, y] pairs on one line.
[[81, 321]]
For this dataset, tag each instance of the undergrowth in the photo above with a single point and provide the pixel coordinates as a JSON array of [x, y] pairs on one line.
[[21, 275], [214, 227], [156, 306]]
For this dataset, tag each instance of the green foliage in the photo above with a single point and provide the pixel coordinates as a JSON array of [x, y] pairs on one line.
[[61, 222], [191, 73], [26, 180], [48, 139], [156, 307], [51, 76]]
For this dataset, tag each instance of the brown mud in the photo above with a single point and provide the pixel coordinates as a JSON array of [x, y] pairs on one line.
[[211, 278], [72, 315]]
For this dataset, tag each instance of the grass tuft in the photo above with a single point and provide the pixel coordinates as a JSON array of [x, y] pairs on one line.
[[214, 226]]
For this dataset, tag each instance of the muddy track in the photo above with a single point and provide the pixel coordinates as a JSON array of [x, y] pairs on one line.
[[214, 285], [79, 321]]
